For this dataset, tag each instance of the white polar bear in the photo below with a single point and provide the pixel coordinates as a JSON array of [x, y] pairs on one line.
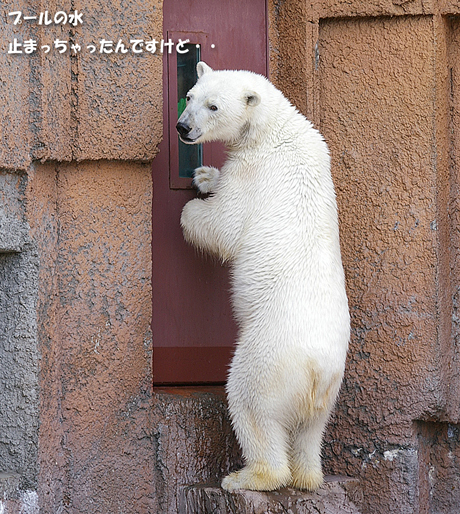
[[272, 214]]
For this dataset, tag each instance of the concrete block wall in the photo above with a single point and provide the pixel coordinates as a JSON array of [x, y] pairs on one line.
[[78, 133]]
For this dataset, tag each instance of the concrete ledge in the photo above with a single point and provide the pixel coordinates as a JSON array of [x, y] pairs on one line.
[[334, 497]]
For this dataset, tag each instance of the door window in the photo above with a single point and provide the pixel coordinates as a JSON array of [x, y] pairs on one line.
[[190, 156], [181, 78]]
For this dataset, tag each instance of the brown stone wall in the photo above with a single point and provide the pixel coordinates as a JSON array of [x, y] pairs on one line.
[[95, 313], [378, 106], [383, 90], [80, 130]]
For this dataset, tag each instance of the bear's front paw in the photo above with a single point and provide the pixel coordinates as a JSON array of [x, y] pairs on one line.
[[205, 178]]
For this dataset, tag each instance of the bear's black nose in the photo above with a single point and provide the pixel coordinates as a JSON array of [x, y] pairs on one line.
[[183, 129]]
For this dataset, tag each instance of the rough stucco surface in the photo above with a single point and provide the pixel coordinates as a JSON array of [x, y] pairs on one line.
[[43, 210], [118, 97], [375, 8], [19, 355], [389, 237], [53, 111], [453, 205], [76, 106], [75, 260], [94, 219], [18, 371], [382, 103], [289, 70], [14, 100]]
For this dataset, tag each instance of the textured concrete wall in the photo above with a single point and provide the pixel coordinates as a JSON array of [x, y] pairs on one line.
[[382, 86], [19, 354], [378, 110], [94, 318], [78, 131], [80, 105]]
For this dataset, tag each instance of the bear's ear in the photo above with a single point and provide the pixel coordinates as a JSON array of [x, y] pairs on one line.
[[202, 68], [252, 98]]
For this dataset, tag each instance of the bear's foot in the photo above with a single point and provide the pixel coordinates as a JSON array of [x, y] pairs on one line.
[[309, 480], [257, 478]]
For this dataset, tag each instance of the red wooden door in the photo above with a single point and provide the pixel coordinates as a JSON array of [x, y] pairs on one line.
[[193, 327]]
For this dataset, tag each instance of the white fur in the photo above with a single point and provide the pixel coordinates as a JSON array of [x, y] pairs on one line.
[[273, 215]]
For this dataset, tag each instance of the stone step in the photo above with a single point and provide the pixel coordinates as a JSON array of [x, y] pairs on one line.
[[334, 497]]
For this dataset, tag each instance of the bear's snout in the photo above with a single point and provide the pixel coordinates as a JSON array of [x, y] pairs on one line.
[[183, 129]]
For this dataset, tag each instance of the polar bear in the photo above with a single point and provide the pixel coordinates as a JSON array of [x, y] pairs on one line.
[[272, 215]]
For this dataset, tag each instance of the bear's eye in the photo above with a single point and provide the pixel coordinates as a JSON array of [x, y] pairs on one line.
[[213, 107], [187, 98]]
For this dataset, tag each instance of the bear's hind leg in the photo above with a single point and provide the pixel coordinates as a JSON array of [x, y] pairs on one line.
[[265, 450], [306, 454]]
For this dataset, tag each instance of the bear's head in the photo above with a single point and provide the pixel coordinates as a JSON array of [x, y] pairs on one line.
[[219, 107]]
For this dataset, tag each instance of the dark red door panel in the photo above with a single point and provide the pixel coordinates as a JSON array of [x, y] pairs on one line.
[[193, 327]]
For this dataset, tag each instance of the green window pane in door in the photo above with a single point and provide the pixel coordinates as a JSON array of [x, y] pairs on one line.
[[190, 156]]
